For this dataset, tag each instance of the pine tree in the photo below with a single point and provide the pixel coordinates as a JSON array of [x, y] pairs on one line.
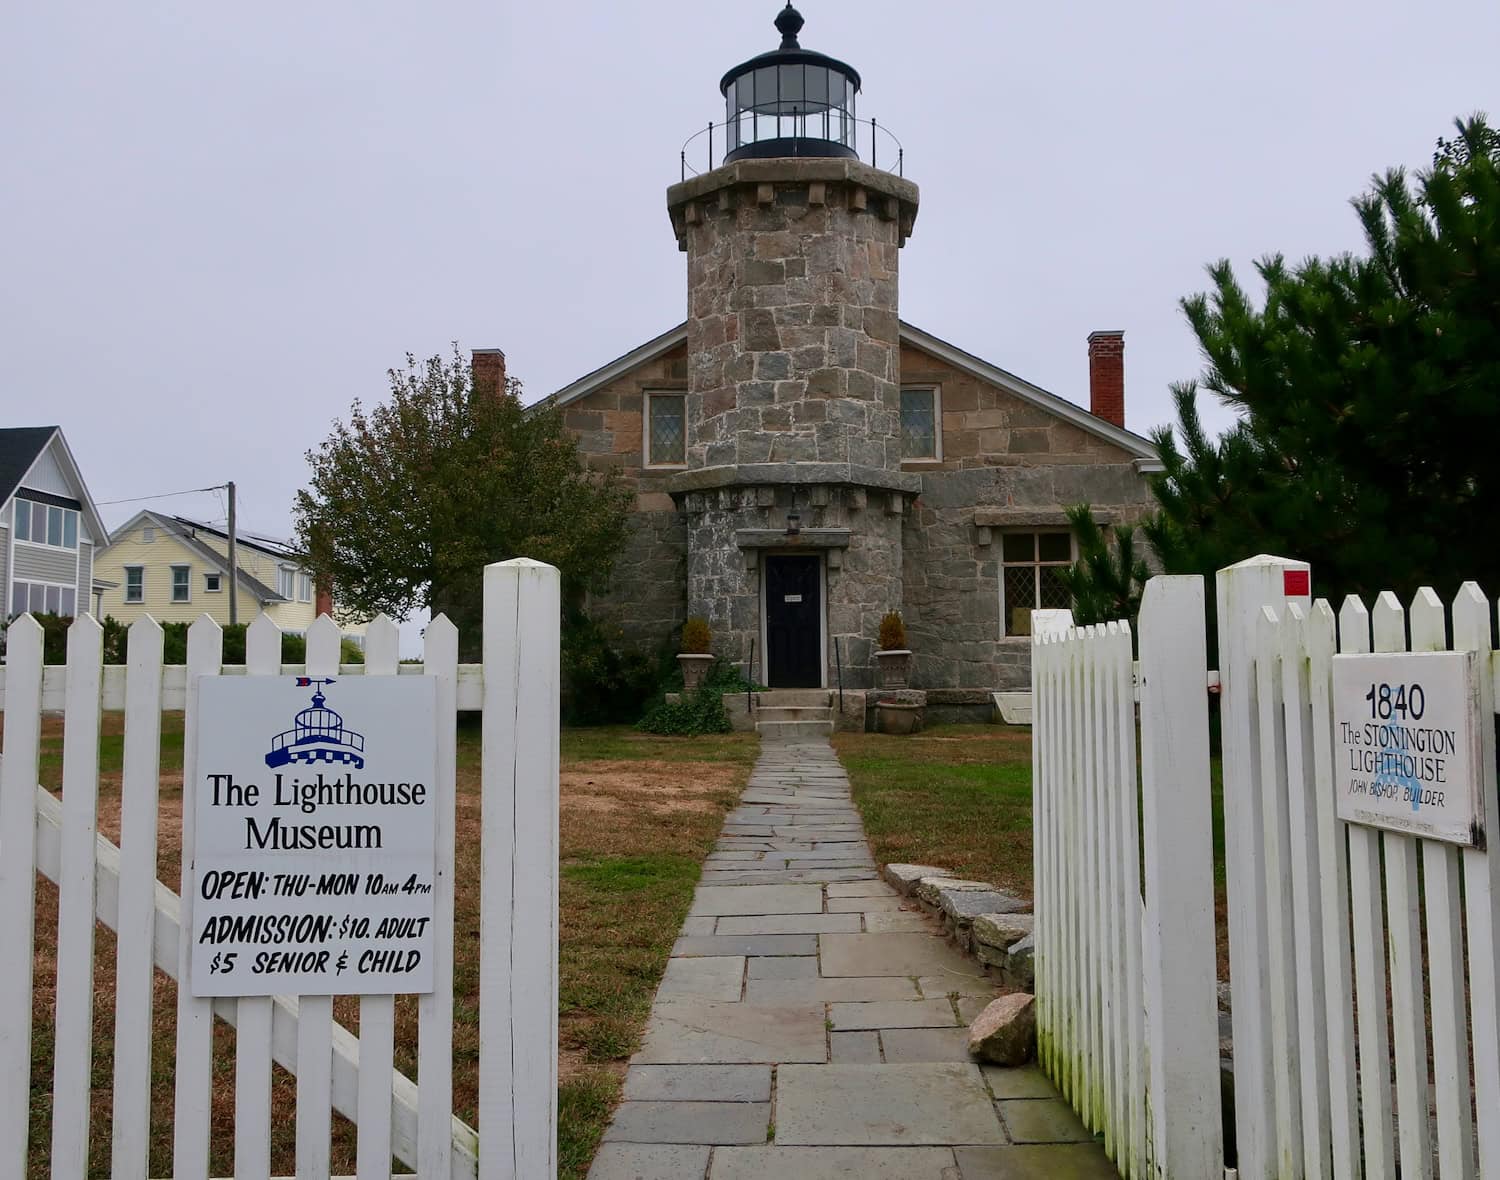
[[1369, 388], [1107, 580]]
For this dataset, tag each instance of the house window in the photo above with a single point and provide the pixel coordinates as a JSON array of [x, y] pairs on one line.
[[304, 588], [46, 524], [42, 598], [921, 418], [135, 583], [213, 583], [286, 582], [181, 586], [666, 430], [1031, 576]]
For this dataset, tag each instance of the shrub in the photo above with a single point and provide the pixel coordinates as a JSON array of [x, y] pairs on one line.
[[892, 632], [691, 714], [696, 637], [603, 683]]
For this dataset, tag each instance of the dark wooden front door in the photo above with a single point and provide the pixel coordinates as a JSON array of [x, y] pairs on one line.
[[794, 622]]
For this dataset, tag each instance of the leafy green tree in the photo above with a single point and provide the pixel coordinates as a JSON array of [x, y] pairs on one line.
[[1107, 580], [409, 500], [1369, 389]]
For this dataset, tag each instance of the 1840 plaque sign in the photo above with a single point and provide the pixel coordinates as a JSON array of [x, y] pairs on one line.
[[1406, 739], [315, 838]]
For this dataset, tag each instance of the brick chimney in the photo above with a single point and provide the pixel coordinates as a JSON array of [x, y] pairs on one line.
[[323, 598], [488, 366], [1107, 376]]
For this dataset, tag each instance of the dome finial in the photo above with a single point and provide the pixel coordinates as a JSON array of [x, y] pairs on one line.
[[789, 23]]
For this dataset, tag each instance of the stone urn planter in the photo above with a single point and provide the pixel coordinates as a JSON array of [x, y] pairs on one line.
[[895, 668], [694, 667], [897, 717]]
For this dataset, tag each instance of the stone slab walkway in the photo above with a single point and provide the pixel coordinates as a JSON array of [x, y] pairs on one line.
[[811, 1027]]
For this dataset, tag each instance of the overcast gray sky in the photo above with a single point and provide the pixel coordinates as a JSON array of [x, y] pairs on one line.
[[221, 223]]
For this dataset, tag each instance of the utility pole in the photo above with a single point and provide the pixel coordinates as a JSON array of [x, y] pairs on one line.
[[234, 579]]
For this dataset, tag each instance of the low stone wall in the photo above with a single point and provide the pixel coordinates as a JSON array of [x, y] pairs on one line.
[[991, 924]]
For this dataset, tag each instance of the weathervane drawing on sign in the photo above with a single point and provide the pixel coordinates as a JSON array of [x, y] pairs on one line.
[[317, 734]]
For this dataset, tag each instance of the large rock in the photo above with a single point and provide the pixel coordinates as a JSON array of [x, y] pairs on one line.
[[1002, 930], [904, 878], [1019, 968], [1005, 1032]]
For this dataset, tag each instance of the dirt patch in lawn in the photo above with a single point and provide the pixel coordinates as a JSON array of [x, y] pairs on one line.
[[655, 786]]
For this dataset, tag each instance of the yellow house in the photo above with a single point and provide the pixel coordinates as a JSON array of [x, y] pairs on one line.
[[177, 569]]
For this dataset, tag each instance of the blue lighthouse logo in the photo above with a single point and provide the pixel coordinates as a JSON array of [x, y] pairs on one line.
[[317, 734]]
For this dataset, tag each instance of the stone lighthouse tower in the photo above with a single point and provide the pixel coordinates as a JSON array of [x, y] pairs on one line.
[[793, 490]]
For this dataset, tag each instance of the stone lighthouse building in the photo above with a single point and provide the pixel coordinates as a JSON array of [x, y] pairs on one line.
[[804, 460]]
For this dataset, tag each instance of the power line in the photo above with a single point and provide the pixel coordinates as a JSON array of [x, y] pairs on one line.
[[165, 495]]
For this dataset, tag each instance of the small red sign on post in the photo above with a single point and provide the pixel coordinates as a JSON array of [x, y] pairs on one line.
[[1297, 583]]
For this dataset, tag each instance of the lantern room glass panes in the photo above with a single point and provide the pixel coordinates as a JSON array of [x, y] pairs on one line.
[[790, 101], [1032, 566], [666, 430]]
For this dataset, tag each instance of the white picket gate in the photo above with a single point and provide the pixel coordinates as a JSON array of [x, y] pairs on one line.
[[1366, 1040], [516, 687], [1125, 963]]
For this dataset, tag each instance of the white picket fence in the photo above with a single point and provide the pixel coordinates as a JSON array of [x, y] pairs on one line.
[[517, 688], [1124, 974], [1366, 1040]]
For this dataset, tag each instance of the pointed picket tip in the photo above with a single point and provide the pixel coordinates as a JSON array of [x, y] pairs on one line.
[[1292, 632], [382, 646], [442, 624], [1389, 622], [24, 629], [1321, 630], [205, 642], [323, 627], [1354, 625], [521, 563], [1471, 619], [143, 625], [85, 625], [1429, 622]]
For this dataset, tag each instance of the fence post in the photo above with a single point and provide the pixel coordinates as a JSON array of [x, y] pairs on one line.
[[1178, 827], [1242, 590], [518, 890], [18, 777]]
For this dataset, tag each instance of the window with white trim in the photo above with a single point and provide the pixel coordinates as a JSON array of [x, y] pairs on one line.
[[921, 423], [666, 429], [286, 582], [1031, 566], [43, 598], [304, 588], [213, 583], [46, 524], [182, 584], [135, 583]]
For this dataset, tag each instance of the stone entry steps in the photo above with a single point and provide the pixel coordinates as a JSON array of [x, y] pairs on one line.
[[811, 1024], [794, 714]]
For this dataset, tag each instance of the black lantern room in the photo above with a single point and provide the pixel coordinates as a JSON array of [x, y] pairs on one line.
[[790, 102]]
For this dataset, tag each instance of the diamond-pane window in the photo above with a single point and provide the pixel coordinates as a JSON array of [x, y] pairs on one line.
[[919, 424], [1033, 564], [667, 432]]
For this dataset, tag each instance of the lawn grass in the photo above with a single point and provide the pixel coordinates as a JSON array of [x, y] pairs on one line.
[[956, 796], [638, 815], [959, 797]]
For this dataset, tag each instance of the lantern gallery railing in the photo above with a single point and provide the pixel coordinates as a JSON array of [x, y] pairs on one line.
[[796, 134]]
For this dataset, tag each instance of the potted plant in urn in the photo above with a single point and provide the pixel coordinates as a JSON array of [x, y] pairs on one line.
[[694, 656], [894, 656]]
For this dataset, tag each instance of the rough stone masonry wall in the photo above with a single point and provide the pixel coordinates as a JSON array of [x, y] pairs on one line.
[[1006, 464], [863, 579], [646, 601], [793, 336]]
